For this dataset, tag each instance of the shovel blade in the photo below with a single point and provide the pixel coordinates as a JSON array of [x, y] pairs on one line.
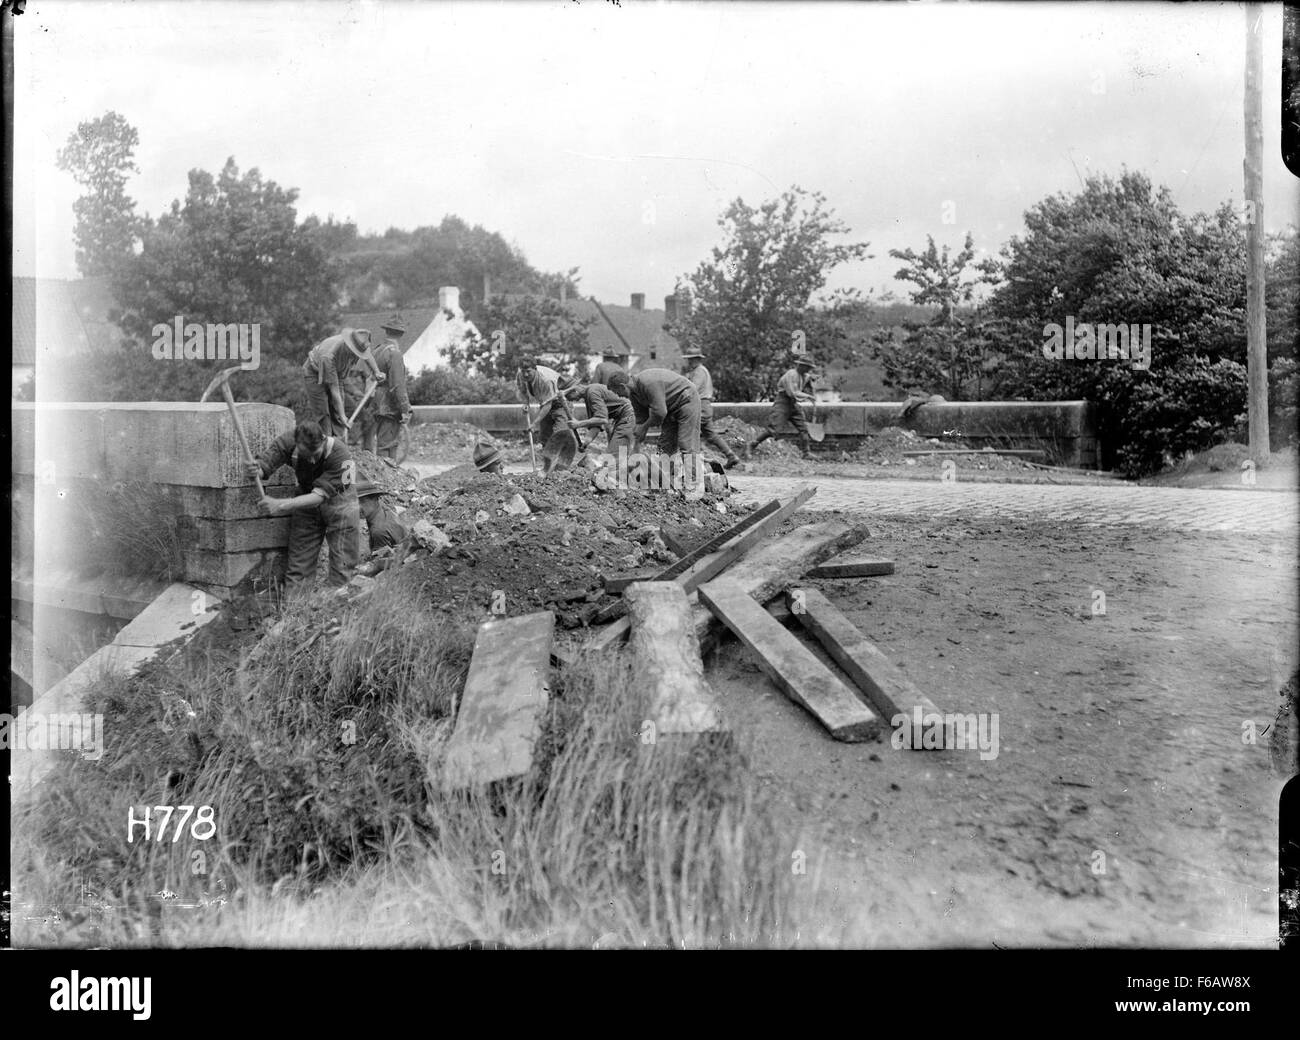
[[816, 432], [559, 451]]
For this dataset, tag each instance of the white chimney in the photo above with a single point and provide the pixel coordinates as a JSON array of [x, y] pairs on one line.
[[449, 299]]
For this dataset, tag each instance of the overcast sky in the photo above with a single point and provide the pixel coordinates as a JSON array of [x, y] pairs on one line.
[[610, 137]]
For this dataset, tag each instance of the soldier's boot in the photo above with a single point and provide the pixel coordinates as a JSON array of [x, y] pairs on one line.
[[805, 446]]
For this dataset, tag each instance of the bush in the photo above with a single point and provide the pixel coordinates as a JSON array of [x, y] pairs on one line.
[[448, 386], [1187, 407]]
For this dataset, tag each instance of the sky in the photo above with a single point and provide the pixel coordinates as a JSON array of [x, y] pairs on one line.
[[610, 137]]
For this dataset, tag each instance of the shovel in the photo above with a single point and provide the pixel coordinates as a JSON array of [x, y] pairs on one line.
[[816, 431], [561, 449]]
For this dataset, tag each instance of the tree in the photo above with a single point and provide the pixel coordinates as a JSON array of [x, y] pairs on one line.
[[1121, 253], [752, 302], [529, 325], [405, 268], [232, 253], [99, 155], [953, 353]]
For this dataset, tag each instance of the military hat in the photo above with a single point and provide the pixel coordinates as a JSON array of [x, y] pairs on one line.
[[394, 324], [486, 454], [366, 488]]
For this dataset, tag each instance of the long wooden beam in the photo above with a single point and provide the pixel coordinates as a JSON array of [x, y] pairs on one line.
[[791, 666]]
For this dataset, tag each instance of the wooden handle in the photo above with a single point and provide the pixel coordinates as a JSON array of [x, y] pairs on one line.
[[239, 432]]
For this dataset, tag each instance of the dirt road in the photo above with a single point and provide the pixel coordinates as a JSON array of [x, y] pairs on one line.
[[1126, 804]]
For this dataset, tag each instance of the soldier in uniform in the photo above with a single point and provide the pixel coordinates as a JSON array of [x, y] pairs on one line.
[[392, 406], [699, 375]]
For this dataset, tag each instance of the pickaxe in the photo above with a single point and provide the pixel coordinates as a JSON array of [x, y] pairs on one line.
[[222, 380], [370, 390]]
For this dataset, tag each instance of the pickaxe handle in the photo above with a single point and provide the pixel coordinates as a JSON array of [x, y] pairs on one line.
[[528, 422], [239, 432], [370, 391]]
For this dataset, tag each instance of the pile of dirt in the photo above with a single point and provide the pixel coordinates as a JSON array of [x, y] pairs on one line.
[[444, 437], [383, 472], [517, 544], [887, 447], [442, 442]]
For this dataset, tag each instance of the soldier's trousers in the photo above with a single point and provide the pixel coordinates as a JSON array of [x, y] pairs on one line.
[[711, 436], [337, 522]]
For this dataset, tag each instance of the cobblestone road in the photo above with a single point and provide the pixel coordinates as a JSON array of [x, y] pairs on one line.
[[1178, 509], [1169, 508]]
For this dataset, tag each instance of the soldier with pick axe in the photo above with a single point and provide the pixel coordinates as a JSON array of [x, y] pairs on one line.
[[324, 371], [325, 508]]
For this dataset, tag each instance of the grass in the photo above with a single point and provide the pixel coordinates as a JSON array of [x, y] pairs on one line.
[[320, 757]]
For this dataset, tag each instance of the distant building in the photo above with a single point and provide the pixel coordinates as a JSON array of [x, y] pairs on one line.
[[633, 332], [56, 322], [430, 331]]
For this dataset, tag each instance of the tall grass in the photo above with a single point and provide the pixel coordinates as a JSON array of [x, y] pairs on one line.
[[321, 757]]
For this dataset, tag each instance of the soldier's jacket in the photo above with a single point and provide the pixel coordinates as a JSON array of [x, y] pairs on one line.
[[390, 398], [657, 391]]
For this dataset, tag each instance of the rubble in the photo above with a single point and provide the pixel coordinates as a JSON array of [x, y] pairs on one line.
[[540, 542]]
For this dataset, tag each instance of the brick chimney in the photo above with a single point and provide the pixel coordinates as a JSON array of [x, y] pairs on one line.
[[638, 301], [670, 309]]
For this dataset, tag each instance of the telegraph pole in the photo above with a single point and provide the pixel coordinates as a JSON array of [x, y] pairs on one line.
[[1256, 344]]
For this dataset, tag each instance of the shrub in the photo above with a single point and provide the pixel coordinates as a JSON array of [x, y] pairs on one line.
[[1186, 407], [448, 386]]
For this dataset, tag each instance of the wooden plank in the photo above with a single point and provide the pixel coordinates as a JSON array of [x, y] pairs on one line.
[[890, 691], [852, 566], [717, 542], [792, 666], [615, 584], [769, 568], [711, 566], [500, 716], [666, 655]]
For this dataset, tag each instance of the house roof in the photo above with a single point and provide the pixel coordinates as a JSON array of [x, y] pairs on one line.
[[45, 320], [417, 320], [620, 330]]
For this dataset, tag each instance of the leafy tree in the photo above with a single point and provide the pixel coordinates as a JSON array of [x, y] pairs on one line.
[[405, 268], [753, 299], [954, 353], [1120, 252], [233, 252], [99, 155], [527, 325]]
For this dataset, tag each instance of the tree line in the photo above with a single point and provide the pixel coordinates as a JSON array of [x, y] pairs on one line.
[[971, 326]]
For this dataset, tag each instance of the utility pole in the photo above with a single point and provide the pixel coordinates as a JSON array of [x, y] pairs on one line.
[[1256, 344]]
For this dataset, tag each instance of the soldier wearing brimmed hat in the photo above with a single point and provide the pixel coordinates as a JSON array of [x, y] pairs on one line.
[[699, 375], [392, 406], [792, 390], [487, 457], [383, 524], [324, 372], [609, 365]]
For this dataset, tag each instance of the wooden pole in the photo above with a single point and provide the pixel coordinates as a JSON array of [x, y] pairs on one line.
[[1256, 344]]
